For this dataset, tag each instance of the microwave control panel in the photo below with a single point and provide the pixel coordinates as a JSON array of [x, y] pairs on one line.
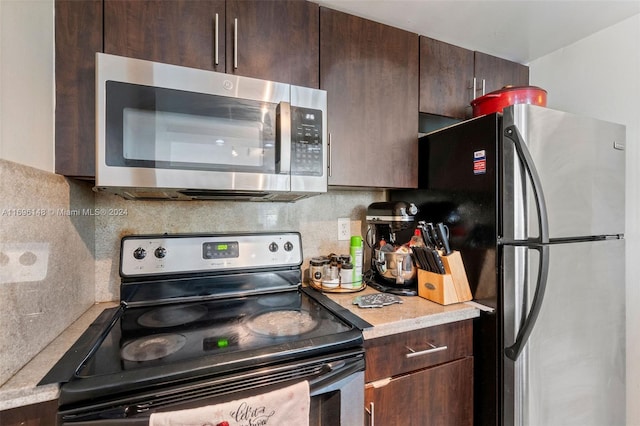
[[306, 142]]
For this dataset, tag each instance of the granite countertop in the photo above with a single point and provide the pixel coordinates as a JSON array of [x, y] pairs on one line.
[[413, 313], [22, 389]]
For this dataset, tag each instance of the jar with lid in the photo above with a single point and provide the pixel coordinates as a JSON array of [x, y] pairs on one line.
[[331, 277], [316, 269], [346, 275]]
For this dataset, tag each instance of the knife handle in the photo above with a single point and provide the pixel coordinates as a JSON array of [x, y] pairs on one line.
[[426, 237], [442, 233], [433, 235], [439, 264]]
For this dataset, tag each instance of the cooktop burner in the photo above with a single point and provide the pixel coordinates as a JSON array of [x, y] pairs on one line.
[[153, 347], [282, 323], [169, 316]]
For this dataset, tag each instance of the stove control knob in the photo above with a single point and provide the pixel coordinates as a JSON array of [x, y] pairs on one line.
[[288, 246], [139, 253], [160, 252], [273, 247]]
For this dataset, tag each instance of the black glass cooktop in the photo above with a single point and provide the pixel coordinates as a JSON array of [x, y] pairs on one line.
[[212, 331]]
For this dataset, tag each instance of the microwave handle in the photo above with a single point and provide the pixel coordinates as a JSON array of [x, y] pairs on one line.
[[283, 138]]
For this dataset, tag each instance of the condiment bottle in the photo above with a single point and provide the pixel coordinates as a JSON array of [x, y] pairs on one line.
[[416, 239], [356, 252]]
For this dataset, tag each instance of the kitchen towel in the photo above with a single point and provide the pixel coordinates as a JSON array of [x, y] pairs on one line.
[[283, 407]]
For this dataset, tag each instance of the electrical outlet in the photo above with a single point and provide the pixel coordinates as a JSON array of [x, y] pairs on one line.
[[344, 228]]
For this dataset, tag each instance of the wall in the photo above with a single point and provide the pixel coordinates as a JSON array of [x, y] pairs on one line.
[[598, 77], [26, 82]]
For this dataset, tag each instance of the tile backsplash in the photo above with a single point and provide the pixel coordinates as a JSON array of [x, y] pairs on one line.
[[60, 245]]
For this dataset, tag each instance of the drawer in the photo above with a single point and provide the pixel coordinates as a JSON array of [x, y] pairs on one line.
[[413, 350]]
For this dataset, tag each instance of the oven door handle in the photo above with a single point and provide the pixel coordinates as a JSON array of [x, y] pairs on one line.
[[334, 375]]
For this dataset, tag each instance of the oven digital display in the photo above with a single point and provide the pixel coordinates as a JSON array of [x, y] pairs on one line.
[[220, 250]]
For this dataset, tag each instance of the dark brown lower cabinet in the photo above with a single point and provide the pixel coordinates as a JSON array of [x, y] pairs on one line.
[[421, 378], [41, 414], [441, 395]]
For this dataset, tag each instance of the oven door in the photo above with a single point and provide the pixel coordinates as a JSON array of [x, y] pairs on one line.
[[166, 126], [336, 387]]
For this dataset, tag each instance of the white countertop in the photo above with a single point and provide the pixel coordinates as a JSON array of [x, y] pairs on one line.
[[413, 313]]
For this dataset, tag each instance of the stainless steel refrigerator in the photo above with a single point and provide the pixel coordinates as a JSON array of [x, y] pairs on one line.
[[534, 201]]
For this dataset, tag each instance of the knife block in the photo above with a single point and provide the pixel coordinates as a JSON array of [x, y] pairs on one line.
[[448, 288]]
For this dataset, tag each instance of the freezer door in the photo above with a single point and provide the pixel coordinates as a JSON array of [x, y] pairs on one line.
[[581, 165], [572, 368]]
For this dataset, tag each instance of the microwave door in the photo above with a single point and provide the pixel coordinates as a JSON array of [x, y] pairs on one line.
[[163, 138]]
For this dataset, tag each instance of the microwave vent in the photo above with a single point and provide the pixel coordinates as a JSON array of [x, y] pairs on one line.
[[150, 194]]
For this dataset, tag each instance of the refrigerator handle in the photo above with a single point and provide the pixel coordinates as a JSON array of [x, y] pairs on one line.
[[540, 244], [512, 352], [512, 133]]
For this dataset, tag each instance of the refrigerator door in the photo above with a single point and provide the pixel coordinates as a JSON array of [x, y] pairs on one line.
[[581, 165], [572, 369]]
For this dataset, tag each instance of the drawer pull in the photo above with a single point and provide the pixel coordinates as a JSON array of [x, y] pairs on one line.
[[378, 383], [372, 414], [433, 349]]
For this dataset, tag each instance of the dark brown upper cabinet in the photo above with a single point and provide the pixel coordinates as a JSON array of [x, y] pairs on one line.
[[274, 40], [180, 32], [370, 73], [493, 73], [446, 75], [78, 36], [271, 40], [449, 74]]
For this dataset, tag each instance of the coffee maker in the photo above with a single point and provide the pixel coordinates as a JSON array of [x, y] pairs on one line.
[[390, 226]]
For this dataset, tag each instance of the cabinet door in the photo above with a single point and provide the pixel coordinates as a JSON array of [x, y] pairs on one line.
[[274, 40], [446, 75], [181, 32], [370, 73], [78, 36], [43, 413], [498, 72], [441, 396]]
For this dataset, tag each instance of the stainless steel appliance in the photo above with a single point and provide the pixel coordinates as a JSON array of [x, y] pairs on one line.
[[534, 201], [171, 132], [389, 226], [206, 319]]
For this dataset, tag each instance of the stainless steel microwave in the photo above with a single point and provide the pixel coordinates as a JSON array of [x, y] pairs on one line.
[[170, 132]]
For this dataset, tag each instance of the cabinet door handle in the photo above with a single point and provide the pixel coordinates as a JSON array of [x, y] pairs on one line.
[[216, 30], [474, 87], [235, 43], [412, 353], [372, 414]]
